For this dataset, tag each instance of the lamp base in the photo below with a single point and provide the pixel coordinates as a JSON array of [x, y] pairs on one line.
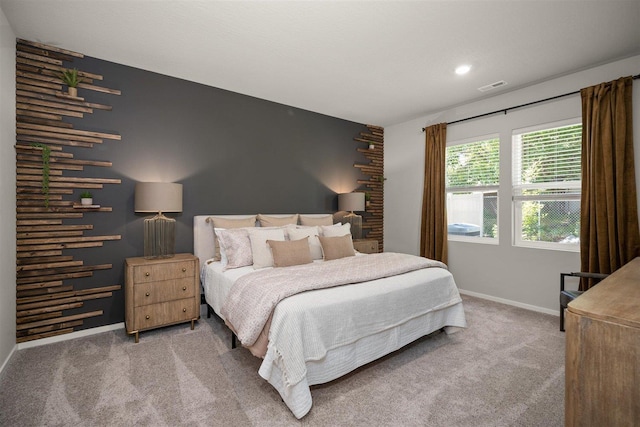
[[356, 224], [159, 237]]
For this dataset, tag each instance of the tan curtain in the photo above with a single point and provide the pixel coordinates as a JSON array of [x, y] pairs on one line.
[[609, 236], [433, 230]]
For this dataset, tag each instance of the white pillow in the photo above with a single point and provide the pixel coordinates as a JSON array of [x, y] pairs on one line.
[[260, 249], [235, 247], [335, 230], [298, 233]]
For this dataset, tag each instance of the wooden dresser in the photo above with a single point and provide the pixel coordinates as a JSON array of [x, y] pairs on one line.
[[161, 292], [602, 371]]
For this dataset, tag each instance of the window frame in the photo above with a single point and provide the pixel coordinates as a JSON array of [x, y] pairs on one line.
[[516, 200], [485, 188]]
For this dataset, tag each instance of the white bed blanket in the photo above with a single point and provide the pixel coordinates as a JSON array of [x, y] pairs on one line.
[[309, 328], [254, 297]]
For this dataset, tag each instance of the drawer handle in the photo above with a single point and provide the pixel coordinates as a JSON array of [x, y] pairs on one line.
[[184, 288], [147, 294], [146, 274], [147, 317], [184, 310], [184, 269]]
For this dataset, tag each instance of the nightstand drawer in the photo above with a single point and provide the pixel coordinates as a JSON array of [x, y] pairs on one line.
[[165, 271], [168, 290], [165, 313]]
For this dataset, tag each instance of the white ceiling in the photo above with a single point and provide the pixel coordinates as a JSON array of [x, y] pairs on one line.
[[375, 62]]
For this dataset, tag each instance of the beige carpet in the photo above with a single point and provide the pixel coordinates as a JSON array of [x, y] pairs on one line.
[[506, 369]]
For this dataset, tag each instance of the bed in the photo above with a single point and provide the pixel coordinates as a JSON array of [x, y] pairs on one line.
[[316, 336]]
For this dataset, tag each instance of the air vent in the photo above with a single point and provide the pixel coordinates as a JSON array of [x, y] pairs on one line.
[[492, 86]]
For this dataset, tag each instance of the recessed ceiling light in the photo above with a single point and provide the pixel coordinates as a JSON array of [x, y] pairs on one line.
[[463, 69]]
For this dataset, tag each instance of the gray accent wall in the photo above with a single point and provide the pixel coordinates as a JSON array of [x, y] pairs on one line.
[[234, 154]]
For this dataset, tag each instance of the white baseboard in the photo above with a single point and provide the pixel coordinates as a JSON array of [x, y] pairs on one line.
[[510, 302], [13, 350], [72, 335]]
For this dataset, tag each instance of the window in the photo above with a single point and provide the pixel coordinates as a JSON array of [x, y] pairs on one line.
[[472, 178], [546, 186]]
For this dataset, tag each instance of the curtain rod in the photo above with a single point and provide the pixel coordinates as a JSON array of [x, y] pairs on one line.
[[637, 76]]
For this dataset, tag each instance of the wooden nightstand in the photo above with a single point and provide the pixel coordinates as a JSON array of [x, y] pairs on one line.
[[161, 292], [366, 246]]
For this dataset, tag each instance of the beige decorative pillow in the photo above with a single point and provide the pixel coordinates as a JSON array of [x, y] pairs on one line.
[[337, 247], [316, 220], [261, 251], [336, 230], [236, 246], [290, 252], [218, 222], [276, 221], [311, 233]]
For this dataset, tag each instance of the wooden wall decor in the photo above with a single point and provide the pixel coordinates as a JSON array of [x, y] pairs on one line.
[[372, 219], [44, 289]]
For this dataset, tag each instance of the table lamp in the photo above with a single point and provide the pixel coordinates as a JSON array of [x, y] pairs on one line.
[[352, 202], [159, 231]]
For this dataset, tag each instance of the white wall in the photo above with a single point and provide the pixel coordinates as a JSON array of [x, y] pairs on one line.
[[7, 190], [523, 276]]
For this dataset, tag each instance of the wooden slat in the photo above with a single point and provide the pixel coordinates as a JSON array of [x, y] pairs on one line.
[[24, 106], [62, 326], [71, 131], [35, 57], [24, 338], [48, 141], [44, 266], [36, 114], [42, 52], [39, 285], [25, 190], [54, 162], [64, 276], [68, 240], [29, 254], [25, 97], [52, 227], [44, 300], [34, 150], [39, 222], [66, 96], [42, 291], [57, 178], [48, 215], [59, 320], [99, 89], [50, 48], [32, 235], [41, 83], [44, 310], [41, 259], [29, 319], [54, 185]]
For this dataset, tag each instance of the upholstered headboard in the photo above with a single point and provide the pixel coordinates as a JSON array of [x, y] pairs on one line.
[[203, 242]]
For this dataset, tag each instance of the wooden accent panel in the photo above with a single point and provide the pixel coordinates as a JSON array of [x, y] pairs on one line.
[[44, 271], [372, 219]]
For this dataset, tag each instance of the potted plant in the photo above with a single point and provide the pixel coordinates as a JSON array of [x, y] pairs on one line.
[[71, 78], [86, 198], [367, 198], [372, 145]]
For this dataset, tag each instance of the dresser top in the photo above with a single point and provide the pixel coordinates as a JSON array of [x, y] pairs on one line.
[[616, 299], [150, 261]]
